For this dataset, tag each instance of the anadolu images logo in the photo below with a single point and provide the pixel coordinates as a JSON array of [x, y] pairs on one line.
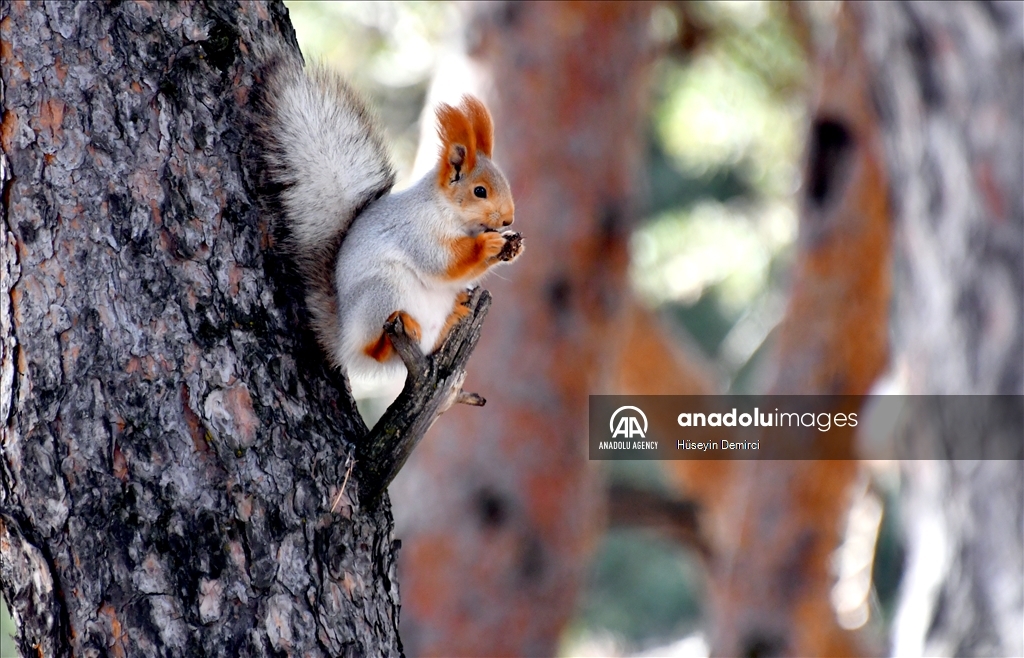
[[628, 425]]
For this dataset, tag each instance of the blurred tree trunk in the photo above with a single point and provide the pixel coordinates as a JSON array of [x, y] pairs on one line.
[[171, 447], [773, 526], [948, 84], [919, 106], [499, 507], [657, 361]]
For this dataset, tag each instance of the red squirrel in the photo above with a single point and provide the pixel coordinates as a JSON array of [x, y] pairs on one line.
[[368, 254]]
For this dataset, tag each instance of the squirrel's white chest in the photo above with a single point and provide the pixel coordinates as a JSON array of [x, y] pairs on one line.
[[430, 306]]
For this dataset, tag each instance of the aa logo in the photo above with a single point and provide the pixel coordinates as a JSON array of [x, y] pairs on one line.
[[629, 425]]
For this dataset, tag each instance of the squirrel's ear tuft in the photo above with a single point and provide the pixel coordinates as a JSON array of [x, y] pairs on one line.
[[483, 126], [458, 143]]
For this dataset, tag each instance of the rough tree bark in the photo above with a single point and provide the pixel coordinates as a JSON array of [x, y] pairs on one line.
[[499, 509], [175, 456], [948, 83]]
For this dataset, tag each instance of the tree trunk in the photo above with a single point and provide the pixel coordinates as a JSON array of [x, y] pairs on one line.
[[499, 508], [771, 587], [172, 445], [949, 87]]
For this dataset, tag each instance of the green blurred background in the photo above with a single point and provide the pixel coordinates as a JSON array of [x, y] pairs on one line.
[[6, 632]]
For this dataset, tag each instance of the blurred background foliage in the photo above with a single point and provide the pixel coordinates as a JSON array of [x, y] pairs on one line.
[[6, 632], [725, 144], [724, 147]]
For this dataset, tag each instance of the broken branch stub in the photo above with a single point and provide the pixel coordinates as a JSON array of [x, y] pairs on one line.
[[433, 384]]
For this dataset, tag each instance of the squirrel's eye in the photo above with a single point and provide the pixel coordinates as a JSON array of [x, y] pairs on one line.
[[480, 192]]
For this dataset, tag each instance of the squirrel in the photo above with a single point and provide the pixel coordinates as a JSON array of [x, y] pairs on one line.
[[366, 254]]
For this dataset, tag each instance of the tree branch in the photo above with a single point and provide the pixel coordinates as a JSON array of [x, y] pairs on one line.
[[432, 386]]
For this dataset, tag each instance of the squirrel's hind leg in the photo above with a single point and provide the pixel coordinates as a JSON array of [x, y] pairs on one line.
[[381, 348]]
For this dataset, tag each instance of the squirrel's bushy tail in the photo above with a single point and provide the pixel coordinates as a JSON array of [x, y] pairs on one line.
[[325, 158]]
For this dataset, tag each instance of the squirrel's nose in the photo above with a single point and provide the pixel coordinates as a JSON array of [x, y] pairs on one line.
[[507, 221]]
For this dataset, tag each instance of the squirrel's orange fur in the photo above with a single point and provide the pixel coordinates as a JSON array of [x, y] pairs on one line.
[[483, 127], [458, 144], [471, 256], [458, 312], [381, 349]]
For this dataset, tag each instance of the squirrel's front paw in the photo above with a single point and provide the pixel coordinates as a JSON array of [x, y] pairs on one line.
[[492, 244], [512, 248]]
